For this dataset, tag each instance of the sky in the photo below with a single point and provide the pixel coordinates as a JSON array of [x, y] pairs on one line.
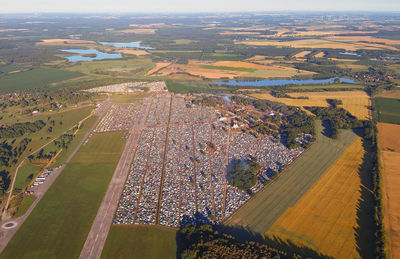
[[176, 6]]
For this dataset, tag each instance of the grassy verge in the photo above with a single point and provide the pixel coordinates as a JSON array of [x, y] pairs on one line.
[[131, 241], [59, 225], [25, 204], [26, 174], [288, 188]]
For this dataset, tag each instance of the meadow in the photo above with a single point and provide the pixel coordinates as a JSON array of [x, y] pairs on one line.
[[388, 110], [389, 147], [356, 102], [283, 192], [130, 241], [325, 218], [59, 225], [35, 78]]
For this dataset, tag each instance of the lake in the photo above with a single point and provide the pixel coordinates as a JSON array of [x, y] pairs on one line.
[[99, 55], [134, 44], [279, 82]]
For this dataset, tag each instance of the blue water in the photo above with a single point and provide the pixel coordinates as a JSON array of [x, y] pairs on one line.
[[99, 55], [135, 44], [350, 53], [279, 82]]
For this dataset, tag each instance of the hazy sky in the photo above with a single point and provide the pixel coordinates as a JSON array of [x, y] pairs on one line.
[[133, 6]]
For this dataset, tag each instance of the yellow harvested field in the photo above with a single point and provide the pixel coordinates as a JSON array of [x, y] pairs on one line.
[[8, 30], [317, 43], [64, 42], [325, 218], [320, 54], [356, 102], [158, 66], [353, 66], [238, 64], [198, 71], [239, 32], [363, 39], [389, 145], [151, 25], [302, 54], [390, 94], [139, 31], [137, 52]]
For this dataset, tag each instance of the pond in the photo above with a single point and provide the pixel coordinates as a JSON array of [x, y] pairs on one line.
[[94, 55], [134, 44], [279, 82]]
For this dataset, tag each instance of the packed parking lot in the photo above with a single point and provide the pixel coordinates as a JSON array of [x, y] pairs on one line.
[[120, 117], [178, 173]]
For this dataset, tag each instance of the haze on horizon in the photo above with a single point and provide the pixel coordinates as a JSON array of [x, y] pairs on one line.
[[177, 6]]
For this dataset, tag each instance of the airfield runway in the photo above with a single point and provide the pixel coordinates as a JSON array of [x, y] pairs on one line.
[[101, 225]]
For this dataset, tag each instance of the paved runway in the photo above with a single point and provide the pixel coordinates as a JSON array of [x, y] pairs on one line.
[[101, 225]]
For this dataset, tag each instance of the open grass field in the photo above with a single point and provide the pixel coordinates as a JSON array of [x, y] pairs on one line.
[[130, 241], [64, 42], [26, 174], [58, 226], [325, 218], [389, 146], [356, 102], [36, 78], [139, 31], [268, 205], [25, 204], [388, 110], [127, 68]]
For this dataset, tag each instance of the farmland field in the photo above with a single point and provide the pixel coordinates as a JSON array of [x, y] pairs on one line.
[[389, 146], [130, 241], [58, 226], [36, 78], [388, 110], [356, 102], [262, 210], [325, 218]]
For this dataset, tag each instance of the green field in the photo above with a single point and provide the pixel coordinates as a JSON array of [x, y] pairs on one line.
[[36, 78], [388, 110], [26, 174], [59, 225], [131, 241], [186, 88], [242, 69], [25, 204], [262, 210]]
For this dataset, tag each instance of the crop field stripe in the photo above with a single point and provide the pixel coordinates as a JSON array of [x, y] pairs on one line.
[[325, 218], [262, 210]]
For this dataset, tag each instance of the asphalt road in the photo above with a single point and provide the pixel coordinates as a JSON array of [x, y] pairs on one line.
[[101, 225]]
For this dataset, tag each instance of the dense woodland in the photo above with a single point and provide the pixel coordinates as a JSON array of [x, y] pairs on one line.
[[243, 173]]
